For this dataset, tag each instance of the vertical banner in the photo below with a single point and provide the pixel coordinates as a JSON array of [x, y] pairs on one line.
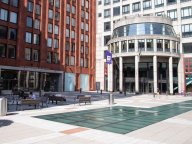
[[108, 57]]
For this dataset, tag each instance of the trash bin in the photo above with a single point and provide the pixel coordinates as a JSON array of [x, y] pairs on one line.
[[3, 106], [41, 93], [111, 99]]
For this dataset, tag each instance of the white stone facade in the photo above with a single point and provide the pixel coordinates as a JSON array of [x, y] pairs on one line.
[[100, 48]]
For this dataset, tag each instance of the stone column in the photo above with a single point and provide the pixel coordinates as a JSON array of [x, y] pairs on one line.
[[137, 74], [110, 78], [120, 74], [155, 45], [164, 45], [136, 45], [180, 75], [119, 46], [181, 48], [127, 46], [155, 73], [171, 75], [171, 46], [145, 45]]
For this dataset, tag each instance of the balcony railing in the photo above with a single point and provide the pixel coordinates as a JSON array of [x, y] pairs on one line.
[[123, 50], [149, 49], [131, 49], [167, 49], [160, 5], [159, 49]]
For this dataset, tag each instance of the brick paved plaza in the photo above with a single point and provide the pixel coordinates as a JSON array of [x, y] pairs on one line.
[[139, 119]]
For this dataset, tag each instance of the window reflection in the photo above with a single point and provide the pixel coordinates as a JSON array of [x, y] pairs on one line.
[[144, 29]]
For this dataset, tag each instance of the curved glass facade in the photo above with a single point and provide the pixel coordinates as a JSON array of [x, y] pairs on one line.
[[144, 29]]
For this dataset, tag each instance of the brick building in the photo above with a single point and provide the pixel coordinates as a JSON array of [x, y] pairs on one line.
[[47, 44]]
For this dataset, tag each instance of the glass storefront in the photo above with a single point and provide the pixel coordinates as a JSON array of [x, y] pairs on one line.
[[28, 80], [84, 82], [69, 82], [188, 82]]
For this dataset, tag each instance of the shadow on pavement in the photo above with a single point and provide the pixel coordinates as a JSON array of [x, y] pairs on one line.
[[4, 123]]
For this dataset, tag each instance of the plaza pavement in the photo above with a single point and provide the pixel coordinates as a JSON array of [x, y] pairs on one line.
[[20, 127]]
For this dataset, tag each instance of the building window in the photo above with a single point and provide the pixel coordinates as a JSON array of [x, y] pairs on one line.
[[149, 45], [86, 50], [187, 47], [49, 57], [87, 27], [72, 60], [136, 7], [82, 37], [57, 3], [2, 50], [87, 4], [28, 37], [107, 26], [82, 25], [55, 58], [4, 15], [27, 54], [50, 14], [82, 13], [159, 44], [30, 6], [72, 47], [51, 2], [3, 32], [159, 13], [73, 9], [107, 13], [146, 4], [167, 45], [66, 59], [57, 16], [35, 55], [172, 14], [186, 12], [67, 46], [126, 9], [87, 15], [87, 39], [186, 30], [5, 1], [82, 49], [170, 2], [73, 34], [36, 39], [99, 14], [49, 42], [159, 3], [73, 22], [37, 24], [82, 2], [86, 63], [29, 22], [67, 20], [37, 9], [67, 33], [82, 62], [124, 46], [99, 2], [12, 34], [116, 11], [107, 2], [56, 43], [56, 29], [11, 51], [50, 27], [13, 17], [115, 1], [68, 7], [14, 3], [131, 45], [106, 39]]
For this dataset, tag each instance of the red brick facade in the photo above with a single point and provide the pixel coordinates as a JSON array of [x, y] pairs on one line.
[[21, 27]]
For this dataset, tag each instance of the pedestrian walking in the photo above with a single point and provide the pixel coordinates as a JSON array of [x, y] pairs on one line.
[[158, 93]]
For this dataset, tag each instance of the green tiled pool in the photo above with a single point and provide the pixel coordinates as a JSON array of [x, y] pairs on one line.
[[120, 119]]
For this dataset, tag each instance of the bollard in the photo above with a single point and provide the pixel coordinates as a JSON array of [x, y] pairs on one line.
[[101, 91], [80, 90], [97, 91], [125, 92], [154, 95], [166, 93]]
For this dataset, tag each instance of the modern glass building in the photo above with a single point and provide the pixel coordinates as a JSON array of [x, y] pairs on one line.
[[160, 29]]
